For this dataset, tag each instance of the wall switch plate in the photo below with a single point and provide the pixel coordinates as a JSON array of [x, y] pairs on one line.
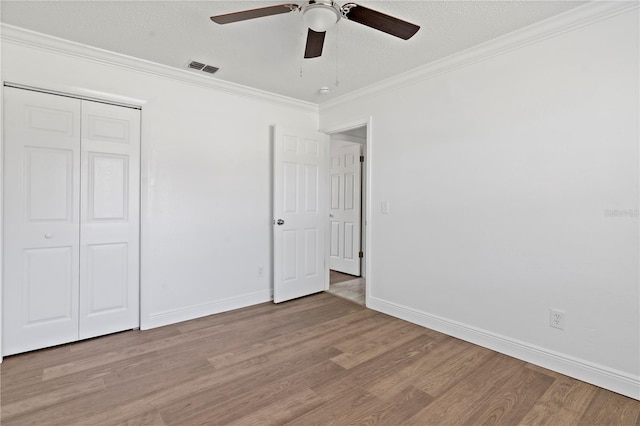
[[556, 319]]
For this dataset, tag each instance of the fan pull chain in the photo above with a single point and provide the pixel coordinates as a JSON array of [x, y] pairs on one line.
[[300, 56], [337, 52]]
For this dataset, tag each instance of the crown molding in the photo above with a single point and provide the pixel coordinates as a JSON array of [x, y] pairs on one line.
[[23, 37], [570, 20]]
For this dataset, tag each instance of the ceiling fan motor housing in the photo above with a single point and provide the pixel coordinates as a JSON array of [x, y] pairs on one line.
[[321, 15]]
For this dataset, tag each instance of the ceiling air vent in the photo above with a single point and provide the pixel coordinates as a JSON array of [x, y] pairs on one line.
[[210, 69], [195, 65]]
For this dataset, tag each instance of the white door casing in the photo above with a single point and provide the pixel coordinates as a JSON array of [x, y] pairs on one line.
[[41, 220], [300, 212], [71, 242], [345, 208], [110, 225]]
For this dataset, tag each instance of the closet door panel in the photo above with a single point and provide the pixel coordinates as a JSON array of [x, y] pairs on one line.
[[47, 285], [107, 278], [41, 214], [108, 187], [109, 244]]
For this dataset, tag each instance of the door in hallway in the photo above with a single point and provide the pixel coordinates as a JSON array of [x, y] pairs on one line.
[[345, 208]]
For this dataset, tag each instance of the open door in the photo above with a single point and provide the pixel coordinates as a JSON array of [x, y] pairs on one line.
[[300, 211], [345, 207]]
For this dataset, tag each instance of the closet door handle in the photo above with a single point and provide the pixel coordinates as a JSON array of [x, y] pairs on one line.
[[48, 236]]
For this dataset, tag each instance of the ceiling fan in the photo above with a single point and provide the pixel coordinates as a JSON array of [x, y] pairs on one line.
[[321, 15]]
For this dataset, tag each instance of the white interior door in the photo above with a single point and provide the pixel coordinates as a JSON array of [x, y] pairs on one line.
[[300, 212], [345, 208], [110, 226], [71, 220], [41, 222]]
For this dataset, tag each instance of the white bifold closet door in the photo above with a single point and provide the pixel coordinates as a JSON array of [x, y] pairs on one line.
[[71, 219]]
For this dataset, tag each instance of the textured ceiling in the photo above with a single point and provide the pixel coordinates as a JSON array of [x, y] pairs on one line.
[[266, 53]]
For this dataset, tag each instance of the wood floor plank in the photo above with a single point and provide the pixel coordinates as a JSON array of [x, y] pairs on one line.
[[111, 357], [233, 334], [608, 408], [197, 383], [459, 402], [278, 366], [513, 400], [378, 368], [235, 408], [233, 402], [111, 400], [284, 410], [314, 360], [419, 372], [150, 418], [339, 408], [48, 399], [152, 367], [564, 403], [260, 313], [357, 342], [35, 359], [30, 365], [452, 370], [352, 324], [121, 340], [34, 362], [398, 410], [377, 344], [119, 373]]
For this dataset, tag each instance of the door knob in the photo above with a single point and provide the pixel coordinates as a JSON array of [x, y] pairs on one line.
[[48, 236], [280, 222]]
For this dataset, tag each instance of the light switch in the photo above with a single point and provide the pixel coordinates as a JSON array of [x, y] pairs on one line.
[[385, 207]]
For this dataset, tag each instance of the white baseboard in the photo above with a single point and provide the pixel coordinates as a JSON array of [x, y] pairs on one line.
[[202, 310], [599, 375]]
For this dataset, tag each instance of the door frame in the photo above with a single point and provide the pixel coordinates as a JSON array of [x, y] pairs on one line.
[[368, 223], [145, 170]]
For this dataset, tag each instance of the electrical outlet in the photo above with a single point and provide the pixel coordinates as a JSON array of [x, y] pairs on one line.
[[260, 271], [556, 319]]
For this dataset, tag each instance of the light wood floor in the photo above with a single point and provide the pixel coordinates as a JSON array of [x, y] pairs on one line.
[[336, 277], [347, 286], [316, 360]]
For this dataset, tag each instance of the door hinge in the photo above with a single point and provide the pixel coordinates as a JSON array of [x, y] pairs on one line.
[[360, 255], [362, 158]]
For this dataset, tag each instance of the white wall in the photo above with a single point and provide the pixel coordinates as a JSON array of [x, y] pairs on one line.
[[206, 170], [501, 178]]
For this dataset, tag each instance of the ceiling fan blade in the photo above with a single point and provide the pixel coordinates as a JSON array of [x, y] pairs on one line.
[[380, 21], [254, 13], [315, 41]]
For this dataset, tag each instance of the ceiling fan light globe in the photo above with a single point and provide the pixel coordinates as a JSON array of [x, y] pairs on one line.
[[320, 17]]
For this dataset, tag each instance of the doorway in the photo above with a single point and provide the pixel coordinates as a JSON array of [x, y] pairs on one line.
[[347, 214]]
